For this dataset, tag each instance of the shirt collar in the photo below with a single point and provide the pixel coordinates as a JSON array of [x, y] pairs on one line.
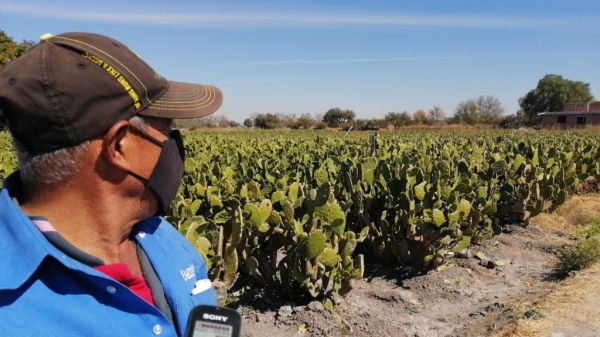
[[22, 246]]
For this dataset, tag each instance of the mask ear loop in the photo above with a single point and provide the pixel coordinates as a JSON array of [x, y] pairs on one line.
[[147, 136], [139, 177], [155, 141]]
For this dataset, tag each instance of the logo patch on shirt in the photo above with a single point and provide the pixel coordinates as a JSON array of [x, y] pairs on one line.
[[188, 273], [201, 286]]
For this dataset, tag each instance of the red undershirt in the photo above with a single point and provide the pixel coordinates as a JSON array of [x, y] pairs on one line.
[[118, 271], [121, 273]]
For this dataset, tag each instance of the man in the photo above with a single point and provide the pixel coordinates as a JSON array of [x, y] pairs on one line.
[[84, 250]]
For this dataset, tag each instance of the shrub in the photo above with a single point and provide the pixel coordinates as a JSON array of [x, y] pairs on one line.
[[267, 121], [586, 253], [303, 123], [320, 126]]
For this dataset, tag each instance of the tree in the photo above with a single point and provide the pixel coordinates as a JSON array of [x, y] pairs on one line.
[[436, 115], [248, 123], [551, 94], [234, 124], [304, 122], [318, 117], [420, 117], [209, 121], [489, 107], [267, 121], [10, 50], [391, 118], [320, 126], [375, 124], [483, 109], [336, 116], [405, 119], [398, 119], [288, 120], [223, 122]]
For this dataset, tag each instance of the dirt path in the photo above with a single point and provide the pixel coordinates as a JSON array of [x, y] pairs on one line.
[[572, 310], [514, 295]]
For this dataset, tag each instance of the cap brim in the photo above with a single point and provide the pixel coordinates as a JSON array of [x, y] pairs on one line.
[[186, 100]]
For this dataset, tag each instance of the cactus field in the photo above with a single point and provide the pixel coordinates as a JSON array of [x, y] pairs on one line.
[[300, 211], [303, 213]]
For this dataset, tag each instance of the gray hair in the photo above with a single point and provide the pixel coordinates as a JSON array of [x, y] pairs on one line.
[[55, 167]]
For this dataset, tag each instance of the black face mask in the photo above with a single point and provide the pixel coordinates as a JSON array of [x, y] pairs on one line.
[[168, 172]]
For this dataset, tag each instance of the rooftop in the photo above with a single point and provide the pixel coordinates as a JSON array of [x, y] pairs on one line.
[[587, 108], [558, 113]]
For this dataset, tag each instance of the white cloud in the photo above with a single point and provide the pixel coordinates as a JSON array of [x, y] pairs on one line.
[[370, 60], [520, 56], [245, 82], [297, 19]]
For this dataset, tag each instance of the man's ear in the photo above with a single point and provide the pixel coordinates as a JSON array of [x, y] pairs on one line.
[[116, 144]]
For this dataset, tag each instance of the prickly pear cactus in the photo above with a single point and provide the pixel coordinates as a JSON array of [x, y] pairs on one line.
[[291, 210]]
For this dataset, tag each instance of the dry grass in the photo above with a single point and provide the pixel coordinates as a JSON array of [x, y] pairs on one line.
[[574, 307], [577, 212]]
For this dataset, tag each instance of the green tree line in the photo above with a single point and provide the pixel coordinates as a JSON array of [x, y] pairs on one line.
[[10, 50]]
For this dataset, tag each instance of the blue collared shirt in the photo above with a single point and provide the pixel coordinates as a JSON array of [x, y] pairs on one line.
[[44, 292]]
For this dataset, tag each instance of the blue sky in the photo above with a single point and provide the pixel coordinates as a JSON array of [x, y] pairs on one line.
[[369, 56]]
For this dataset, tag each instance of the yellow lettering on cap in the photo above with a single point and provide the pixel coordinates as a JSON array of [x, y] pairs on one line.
[[92, 58], [133, 95], [124, 83], [113, 72]]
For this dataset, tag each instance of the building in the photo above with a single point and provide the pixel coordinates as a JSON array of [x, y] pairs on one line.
[[573, 115]]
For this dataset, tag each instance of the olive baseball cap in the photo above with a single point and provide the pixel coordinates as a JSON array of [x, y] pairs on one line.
[[72, 87]]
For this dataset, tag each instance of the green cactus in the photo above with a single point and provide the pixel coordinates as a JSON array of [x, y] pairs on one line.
[[321, 176], [257, 216], [315, 244], [266, 208], [438, 217], [293, 192], [359, 267], [278, 196], [464, 208], [252, 269], [321, 195], [337, 219], [275, 219], [231, 265], [288, 213], [329, 257]]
